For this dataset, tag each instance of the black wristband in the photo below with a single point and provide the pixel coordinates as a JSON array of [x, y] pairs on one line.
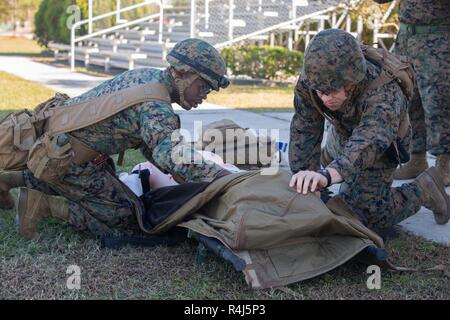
[[327, 175]]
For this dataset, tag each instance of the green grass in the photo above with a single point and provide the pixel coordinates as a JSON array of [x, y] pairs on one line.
[[37, 269]]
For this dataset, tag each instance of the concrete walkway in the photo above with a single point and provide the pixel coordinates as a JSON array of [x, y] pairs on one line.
[[62, 80]]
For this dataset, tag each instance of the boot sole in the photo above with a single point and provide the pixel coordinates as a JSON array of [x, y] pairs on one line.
[[441, 187]]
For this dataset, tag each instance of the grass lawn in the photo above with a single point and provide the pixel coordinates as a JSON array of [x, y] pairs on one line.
[[37, 269], [15, 46], [17, 93], [255, 98]]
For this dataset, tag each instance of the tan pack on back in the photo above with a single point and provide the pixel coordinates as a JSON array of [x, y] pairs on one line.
[[28, 138], [394, 67], [19, 131]]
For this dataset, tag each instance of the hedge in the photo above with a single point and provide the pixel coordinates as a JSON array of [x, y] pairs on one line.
[[263, 62], [51, 17]]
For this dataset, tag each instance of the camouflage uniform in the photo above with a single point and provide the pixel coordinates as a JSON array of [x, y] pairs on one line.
[[430, 53], [371, 118], [98, 202]]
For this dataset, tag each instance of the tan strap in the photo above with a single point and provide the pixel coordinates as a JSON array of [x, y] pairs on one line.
[[82, 152], [380, 81], [80, 115]]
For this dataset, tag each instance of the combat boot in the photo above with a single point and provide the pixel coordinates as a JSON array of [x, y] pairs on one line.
[[33, 206], [9, 180], [443, 165], [434, 196], [415, 166]]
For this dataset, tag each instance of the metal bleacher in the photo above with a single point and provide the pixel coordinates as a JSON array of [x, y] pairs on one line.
[[145, 44]]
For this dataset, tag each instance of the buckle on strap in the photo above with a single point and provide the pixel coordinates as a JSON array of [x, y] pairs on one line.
[[100, 159]]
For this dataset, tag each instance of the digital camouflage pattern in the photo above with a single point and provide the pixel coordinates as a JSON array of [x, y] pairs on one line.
[[202, 53], [97, 204], [371, 118], [422, 12], [430, 54], [322, 70]]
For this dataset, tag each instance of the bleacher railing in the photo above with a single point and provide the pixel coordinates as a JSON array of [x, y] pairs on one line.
[[121, 24]]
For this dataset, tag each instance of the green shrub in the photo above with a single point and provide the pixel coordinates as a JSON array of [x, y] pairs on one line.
[[51, 21], [263, 62], [51, 17]]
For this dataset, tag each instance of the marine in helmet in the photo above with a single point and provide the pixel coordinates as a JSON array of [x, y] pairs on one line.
[[365, 122], [195, 62], [89, 196]]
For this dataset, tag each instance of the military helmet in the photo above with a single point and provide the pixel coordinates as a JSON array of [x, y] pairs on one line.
[[199, 56], [333, 60]]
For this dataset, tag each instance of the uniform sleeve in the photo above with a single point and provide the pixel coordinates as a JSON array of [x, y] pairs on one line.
[[159, 128], [374, 134], [306, 134]]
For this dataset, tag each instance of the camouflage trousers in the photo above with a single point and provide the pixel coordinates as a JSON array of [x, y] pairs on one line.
[[98, 203], [370, 194], [429, 111]]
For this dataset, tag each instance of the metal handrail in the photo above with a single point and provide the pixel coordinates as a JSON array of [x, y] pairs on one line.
[[271, 28], [115, 12], [74, 39]]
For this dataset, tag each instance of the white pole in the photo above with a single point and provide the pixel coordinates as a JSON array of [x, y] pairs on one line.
[[375, 33], [72, 49], [230, 20], [348, 24], [359, 28], [118, 12], [206, 14], [294, 10], [161, 18], [192, 18], [321, 24], [290, 42], [90, 16]]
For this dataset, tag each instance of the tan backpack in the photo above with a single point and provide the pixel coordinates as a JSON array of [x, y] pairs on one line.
[[19, 131], [39, 139], [237, 145], [393, 67]]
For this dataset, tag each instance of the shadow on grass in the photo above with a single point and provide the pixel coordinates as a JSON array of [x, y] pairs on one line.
[[26, 54]]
